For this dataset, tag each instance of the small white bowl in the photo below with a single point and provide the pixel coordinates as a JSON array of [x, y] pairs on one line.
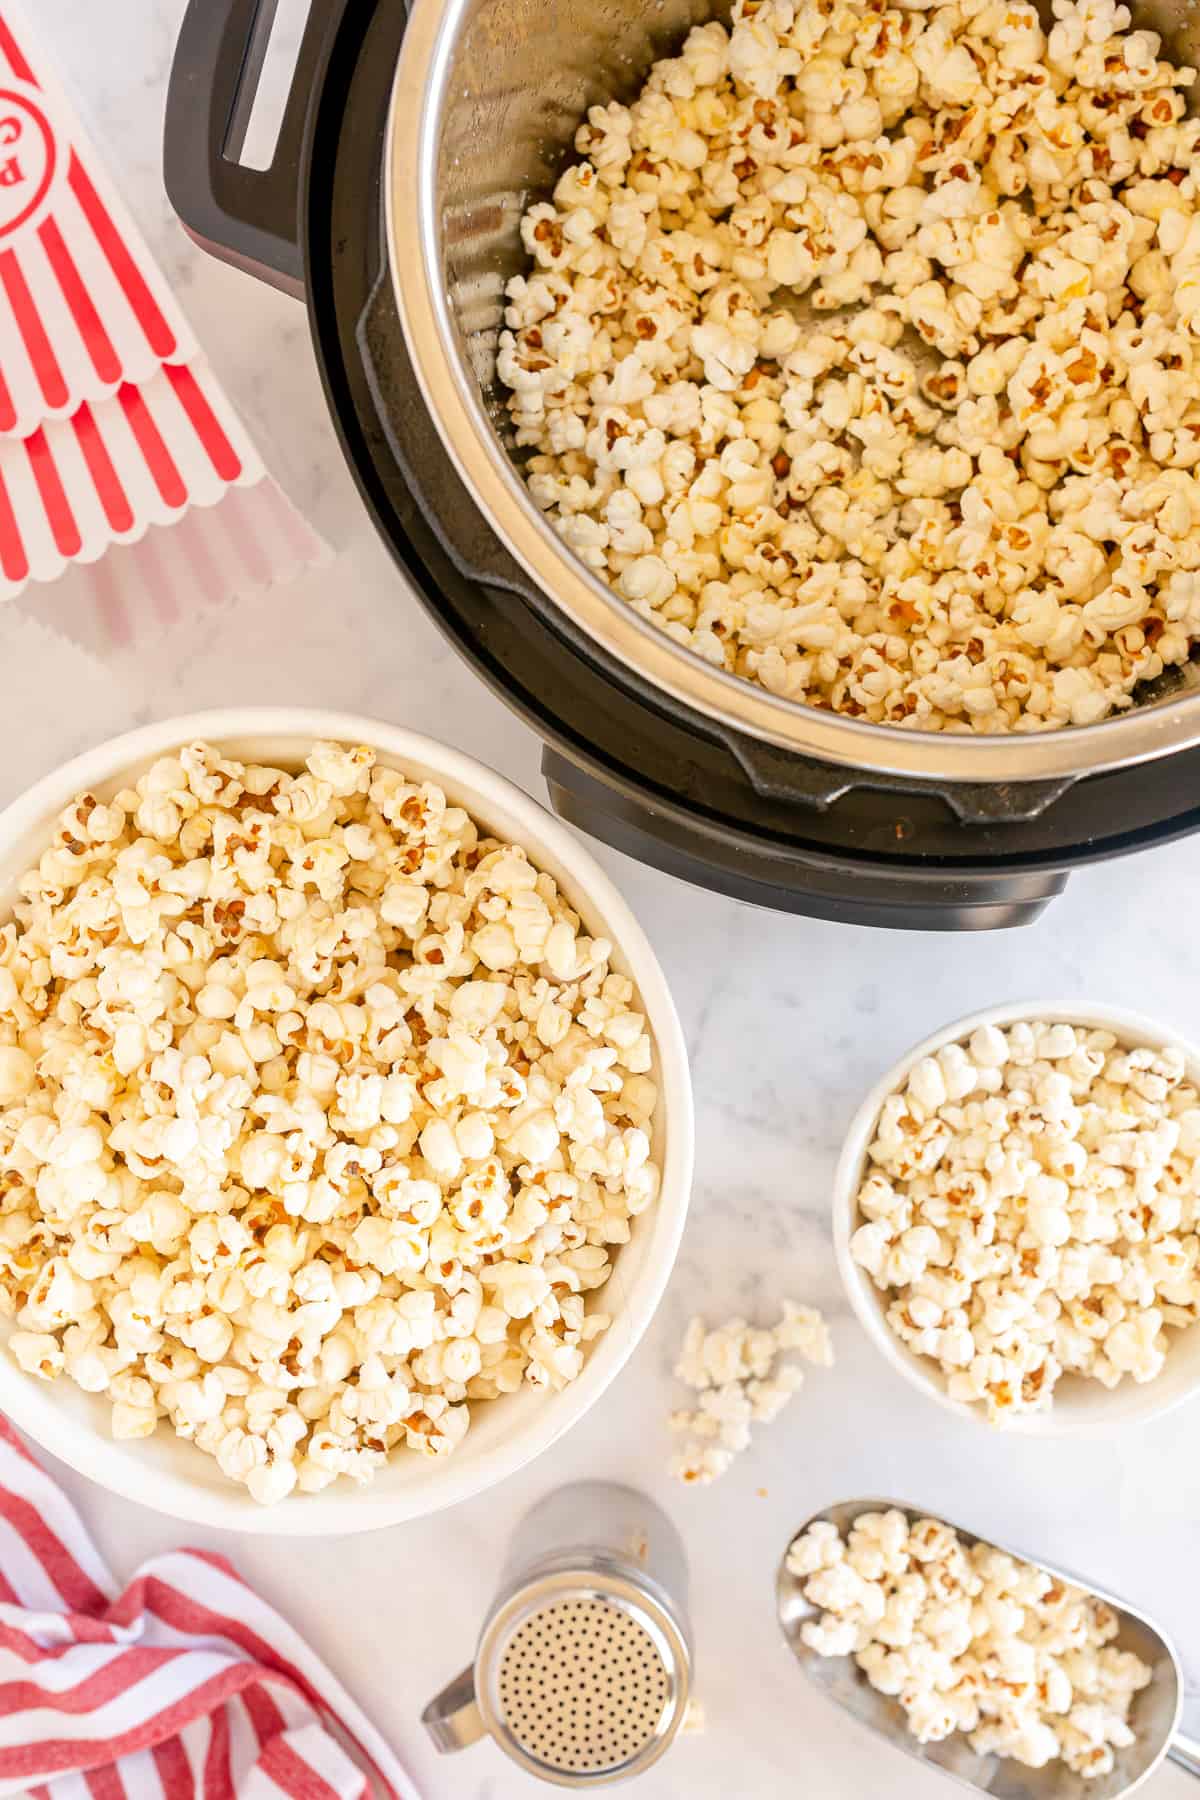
[[1079, 1404], [171, 1475]]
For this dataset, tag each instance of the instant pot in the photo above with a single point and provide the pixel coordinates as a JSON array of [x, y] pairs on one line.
[[411, 143]]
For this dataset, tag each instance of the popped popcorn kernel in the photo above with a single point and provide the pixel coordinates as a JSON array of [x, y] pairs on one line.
[[742, 1376]]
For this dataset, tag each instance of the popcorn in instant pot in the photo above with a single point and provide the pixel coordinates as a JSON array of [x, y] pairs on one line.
[[743, 1378], [860, 354], [1031, 1203], [971, 1639], [321, 1116]]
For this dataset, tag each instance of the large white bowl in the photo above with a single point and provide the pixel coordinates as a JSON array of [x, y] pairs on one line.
[[171, 1475], [1079, 1404]]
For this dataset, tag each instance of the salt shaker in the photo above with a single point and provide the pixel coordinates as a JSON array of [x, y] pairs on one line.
[[583, 1666]]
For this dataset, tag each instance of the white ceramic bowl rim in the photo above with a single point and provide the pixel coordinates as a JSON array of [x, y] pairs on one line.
[[1122, 1405], [32, 1404]]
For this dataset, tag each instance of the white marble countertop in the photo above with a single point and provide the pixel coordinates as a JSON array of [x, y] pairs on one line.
[[788, 1022]]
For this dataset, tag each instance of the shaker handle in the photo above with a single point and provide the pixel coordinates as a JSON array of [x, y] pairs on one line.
[[453, 1719], [1185, 1752], [247, 217]]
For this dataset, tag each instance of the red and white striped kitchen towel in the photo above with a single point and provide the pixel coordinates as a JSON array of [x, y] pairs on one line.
[[185, 1686]]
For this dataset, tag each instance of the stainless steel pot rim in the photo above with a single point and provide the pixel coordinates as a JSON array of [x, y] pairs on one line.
[[410, 207]]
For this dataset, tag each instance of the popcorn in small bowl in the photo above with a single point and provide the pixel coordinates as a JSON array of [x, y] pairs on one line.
[[1018, 1212], [323, 1115]]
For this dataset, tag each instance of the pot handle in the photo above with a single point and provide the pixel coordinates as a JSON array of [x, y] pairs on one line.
[[1184, 1752], [778, 775], [249, 218]]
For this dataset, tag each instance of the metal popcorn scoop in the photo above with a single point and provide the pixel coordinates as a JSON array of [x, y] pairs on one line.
[[583, 1665], [1154, 1716]]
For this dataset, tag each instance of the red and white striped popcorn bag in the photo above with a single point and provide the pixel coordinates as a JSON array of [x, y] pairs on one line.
[[123, 467]]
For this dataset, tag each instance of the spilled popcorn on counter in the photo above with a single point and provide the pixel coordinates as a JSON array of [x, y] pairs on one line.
[[1031, 1205], [320, 1115], [860, 354], [971, 1640], [742, 1378]]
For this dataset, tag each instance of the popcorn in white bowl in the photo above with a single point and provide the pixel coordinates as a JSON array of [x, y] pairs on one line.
[[1017, 1217], [323, 1116], [968, 1638]]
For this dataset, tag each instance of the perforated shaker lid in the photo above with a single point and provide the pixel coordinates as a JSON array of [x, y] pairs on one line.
[[582, 1677]]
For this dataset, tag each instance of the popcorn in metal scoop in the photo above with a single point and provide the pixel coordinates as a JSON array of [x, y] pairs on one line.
[[968, 1638]]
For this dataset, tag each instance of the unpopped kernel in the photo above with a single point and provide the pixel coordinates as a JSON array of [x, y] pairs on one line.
[[743, 1376], [860, 354], [320, 1115], [971, 1639], [1030, 1208]]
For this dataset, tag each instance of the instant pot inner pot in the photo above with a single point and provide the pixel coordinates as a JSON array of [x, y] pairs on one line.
[[518, 84], [524, 75]]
